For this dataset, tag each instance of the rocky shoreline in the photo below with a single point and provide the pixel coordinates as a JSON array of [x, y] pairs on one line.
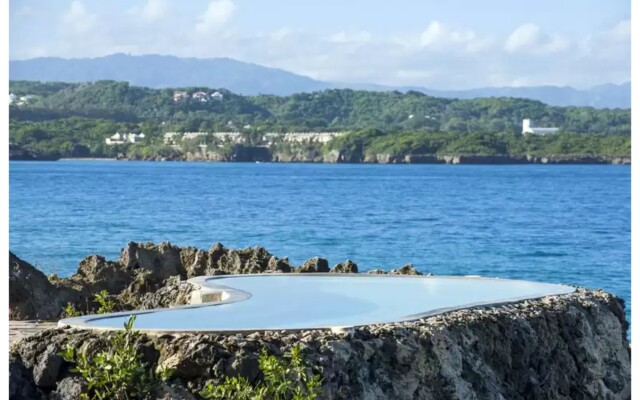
[[563, 347], [263, 154]]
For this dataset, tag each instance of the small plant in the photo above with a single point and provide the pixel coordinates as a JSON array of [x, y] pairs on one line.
[[117, 372], [106, 304], [70, 311], [283, 380]]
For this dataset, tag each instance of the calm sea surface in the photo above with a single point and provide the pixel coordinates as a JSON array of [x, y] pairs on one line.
[[566, 224]]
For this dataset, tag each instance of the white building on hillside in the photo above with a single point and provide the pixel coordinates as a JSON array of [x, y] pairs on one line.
[[12, 98], [527, 127], [121, 138]]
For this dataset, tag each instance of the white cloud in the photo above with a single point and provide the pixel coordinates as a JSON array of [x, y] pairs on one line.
[[441, 37], [350, 37], [442, 56], [78, 20], [154, 10], [525, 36], [216, 16], [622, 30], [529, 38], [438, 34], [280, 34], [24, 12]]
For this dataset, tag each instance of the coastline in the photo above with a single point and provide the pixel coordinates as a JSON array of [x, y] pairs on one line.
[[470, 159]]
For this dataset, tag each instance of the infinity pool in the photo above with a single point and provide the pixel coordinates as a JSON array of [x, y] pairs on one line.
[[308, 301]]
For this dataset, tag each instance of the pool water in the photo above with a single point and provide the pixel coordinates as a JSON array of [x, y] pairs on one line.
[[299, 301]]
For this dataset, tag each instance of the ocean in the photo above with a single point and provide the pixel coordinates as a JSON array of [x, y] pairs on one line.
[[551, 223]]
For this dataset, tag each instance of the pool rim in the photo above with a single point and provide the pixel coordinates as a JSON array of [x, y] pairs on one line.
[[203, 283]]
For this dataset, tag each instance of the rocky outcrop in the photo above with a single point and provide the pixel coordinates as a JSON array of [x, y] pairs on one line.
[[19, 153], [31, 294], [406, 270], [315, 264], [145, 276], [561, 347], [348, 267]]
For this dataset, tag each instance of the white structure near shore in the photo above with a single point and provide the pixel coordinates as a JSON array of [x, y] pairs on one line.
[[121, 138], [528, 127], [172, 138]]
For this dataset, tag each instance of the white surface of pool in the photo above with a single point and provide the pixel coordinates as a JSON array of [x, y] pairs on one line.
[[308, 301]]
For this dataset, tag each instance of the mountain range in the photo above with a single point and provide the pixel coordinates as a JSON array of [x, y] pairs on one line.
[[161, 71]]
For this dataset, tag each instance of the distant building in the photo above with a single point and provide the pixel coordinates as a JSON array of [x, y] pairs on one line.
[[527, 127], [22, 100], [122, 138], [179, 95], [300, 137], [193, 135], [172, 138], [233, 137], [217, 96], [201, 96]]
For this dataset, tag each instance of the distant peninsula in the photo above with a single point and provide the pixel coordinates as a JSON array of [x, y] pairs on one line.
[[108, 119]]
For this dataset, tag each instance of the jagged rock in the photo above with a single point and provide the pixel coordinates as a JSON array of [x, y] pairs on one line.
[[174, 293], [376, 272], [244, 364], [315, 264], [281, 265], [195, 261], [69, 388], [245, 261], [47, 368], [406, 270], [95, 274], [348, 267], [173, 392], [31, 294], [162, 260], [21, 385]]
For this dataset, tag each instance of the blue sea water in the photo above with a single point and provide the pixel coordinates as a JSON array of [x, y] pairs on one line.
[[563, 224]]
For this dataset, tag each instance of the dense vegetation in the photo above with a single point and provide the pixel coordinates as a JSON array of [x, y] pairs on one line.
[[116, 372], [283, 379], [119, 372], [74, 119], [373, 141]]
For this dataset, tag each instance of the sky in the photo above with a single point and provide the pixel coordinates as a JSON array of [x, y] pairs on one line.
[[430, 43]]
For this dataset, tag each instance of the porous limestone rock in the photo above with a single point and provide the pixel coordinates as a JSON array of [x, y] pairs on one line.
[[559, 347]]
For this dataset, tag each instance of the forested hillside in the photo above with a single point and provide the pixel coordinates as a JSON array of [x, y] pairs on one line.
[[59, 116]]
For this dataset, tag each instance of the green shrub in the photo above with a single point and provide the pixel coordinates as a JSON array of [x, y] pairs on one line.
[[283, 380], [106, 304], [117, 372], [70, 311]]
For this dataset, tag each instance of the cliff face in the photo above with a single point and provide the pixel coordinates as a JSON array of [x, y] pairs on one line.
[[17, 153], [563, 347]]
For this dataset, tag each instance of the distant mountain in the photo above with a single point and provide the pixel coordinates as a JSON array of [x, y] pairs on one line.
[[603, 96], [157, 71]]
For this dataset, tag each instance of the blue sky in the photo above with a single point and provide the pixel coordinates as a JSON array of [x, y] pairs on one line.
[[443, 45]]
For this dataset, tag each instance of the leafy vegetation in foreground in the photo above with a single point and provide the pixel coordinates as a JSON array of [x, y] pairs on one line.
[[286, 379], [73, 120], [117, 372]]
